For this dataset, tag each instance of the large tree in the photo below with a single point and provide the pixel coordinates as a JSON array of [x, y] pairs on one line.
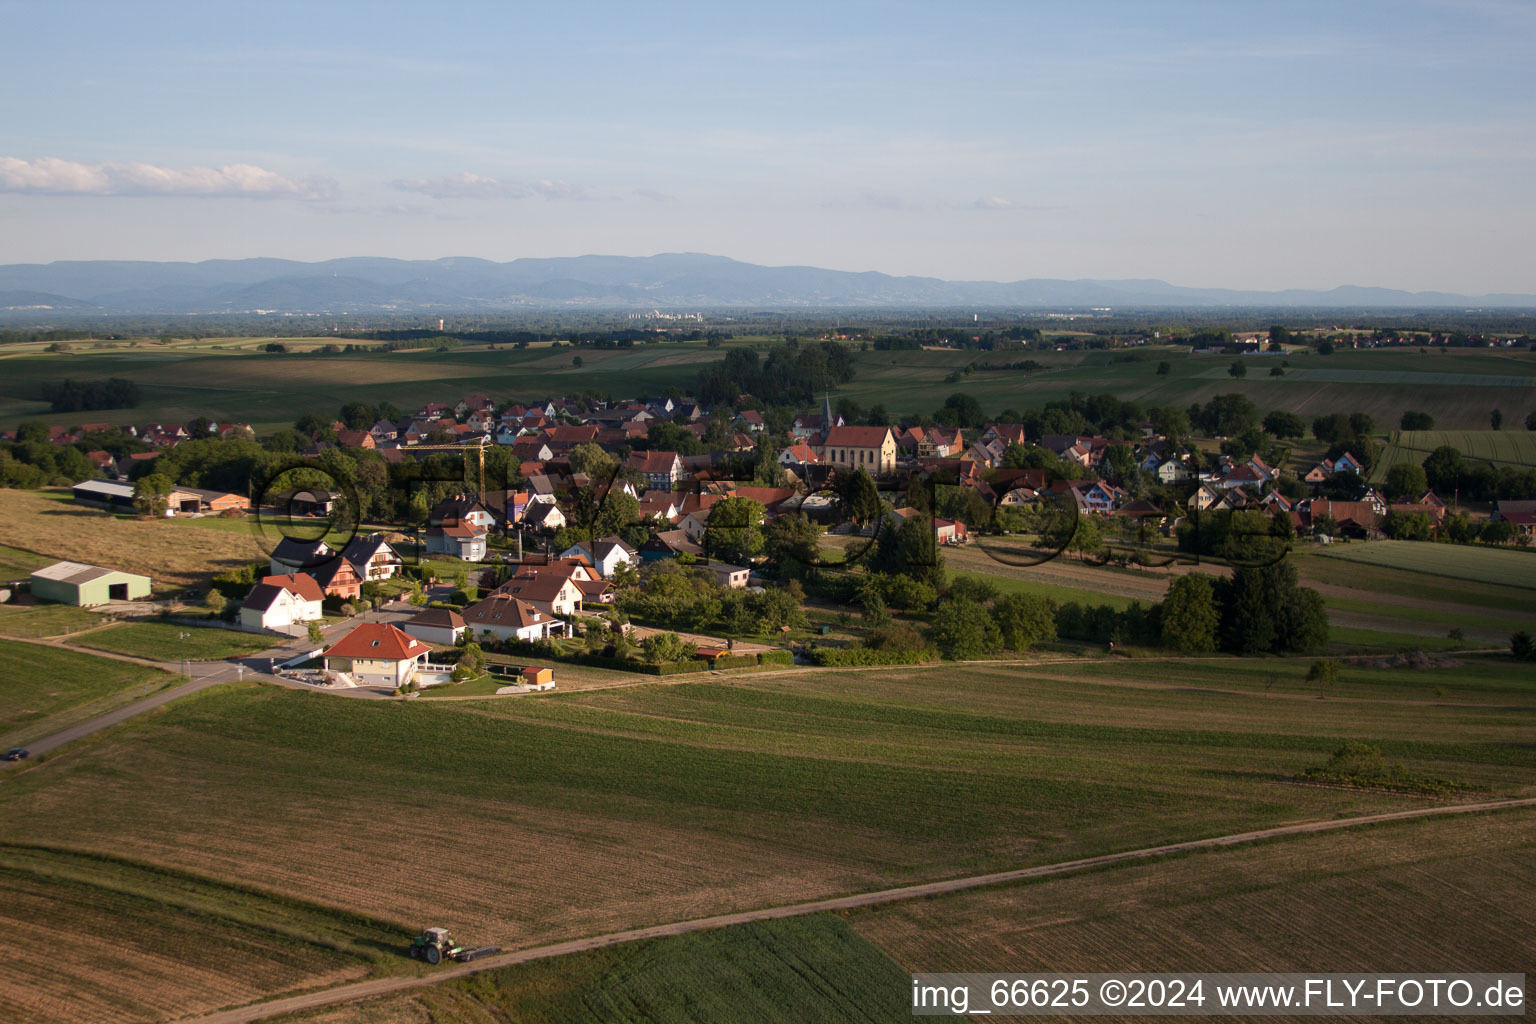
[[793, 546], [962, 629], [1189, 615], [1024, 620], [150, 493], [1405, 480], [734, 531]]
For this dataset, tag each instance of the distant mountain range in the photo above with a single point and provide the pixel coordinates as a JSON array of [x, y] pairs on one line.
[[671, 281]]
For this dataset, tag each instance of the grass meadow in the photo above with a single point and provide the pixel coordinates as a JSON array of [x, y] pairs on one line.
[[163, 641]]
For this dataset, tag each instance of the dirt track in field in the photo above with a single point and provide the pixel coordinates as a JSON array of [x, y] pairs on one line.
[[384, 986]]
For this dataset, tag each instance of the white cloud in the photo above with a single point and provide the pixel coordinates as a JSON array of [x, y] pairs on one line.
[[52, 176], [994, 203], [475, 186]]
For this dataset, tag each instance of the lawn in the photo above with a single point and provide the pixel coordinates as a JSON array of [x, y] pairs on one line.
[[792, 971], [1502, 566], [163, 641], [1452, 892], [56, 689]]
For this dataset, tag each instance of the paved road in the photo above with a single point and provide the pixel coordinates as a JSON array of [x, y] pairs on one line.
[[122, 714], [385, 986]]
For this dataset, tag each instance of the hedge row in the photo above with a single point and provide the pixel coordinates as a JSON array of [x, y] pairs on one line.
[[839, 657]]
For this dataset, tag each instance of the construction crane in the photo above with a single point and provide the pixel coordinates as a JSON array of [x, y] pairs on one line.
[[479, 450]]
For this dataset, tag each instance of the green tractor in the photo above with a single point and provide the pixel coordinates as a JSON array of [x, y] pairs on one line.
[[434, 945]]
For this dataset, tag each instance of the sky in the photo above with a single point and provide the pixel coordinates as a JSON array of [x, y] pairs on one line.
[[1215, 144]]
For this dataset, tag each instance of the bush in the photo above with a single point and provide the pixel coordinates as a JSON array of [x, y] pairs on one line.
[[894, 638], [1523, 646], [775, 658]]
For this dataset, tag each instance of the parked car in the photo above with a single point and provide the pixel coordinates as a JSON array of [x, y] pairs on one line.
[[17, 754]]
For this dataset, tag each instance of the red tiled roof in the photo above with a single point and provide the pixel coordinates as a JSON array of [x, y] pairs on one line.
[[379, 641], [300, 583], [857, 437], [653, 462]]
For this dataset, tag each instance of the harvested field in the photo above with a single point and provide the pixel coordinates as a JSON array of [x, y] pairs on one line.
[[163, 550], [114, 942], [595, 811], [60, 688], [1455, 893]]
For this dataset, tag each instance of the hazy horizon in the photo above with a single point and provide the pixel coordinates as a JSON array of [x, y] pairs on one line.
[[1214, 146]]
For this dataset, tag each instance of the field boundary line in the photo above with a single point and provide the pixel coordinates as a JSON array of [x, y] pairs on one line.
[[385, 986]]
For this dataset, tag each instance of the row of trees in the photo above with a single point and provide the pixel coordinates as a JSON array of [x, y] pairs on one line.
[[792, 374], [71, 395]]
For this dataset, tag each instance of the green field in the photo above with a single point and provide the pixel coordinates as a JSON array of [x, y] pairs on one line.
[[48, 689], [1514, 447], [1380, 582], [1424, 378], [1457, 561], [271, 390], [1466, 679], [163, 641]]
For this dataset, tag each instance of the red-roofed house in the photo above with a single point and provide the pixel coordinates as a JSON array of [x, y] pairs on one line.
[[377, 654], [277, 602]]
